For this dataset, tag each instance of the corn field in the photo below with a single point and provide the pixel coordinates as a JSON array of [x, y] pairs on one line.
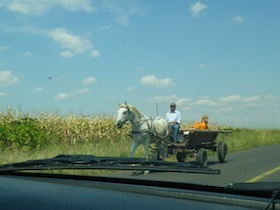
[[21, 130]]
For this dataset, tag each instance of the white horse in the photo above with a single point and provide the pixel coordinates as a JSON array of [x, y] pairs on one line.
[[145, 130]]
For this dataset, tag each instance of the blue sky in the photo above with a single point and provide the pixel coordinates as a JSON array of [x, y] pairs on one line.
[[220, 58]]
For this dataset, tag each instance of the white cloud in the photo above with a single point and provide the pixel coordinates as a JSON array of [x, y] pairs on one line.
[[69, 95], [249, 85], [66, 54], [122, 11], [7, 78], [89, 81], [63, 96], [106, 28], [27, 54], [2, 94], [82, 91], [95, 53], [39, 7], [225, 109], [130, 88], [183, 101], [197, 8], [3, 48], [186, 108], [273, 98], [73, 44], [206, 101], [139, 69], [38, 89], [202, 66], [251, 99], [154, 81], [238, 19], [230, 99]]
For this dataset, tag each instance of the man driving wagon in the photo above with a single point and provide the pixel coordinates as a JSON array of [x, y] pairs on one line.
[[174, 119]]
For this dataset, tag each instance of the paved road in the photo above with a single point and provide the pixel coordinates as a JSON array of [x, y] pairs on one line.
[[259, 164]]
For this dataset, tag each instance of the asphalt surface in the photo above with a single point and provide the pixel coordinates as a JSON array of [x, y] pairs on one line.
[[255, 165]]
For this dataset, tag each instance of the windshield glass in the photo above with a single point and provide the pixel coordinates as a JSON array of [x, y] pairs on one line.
[[198, 80]]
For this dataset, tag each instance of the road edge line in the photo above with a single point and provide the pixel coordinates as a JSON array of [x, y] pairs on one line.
[[261, 176]]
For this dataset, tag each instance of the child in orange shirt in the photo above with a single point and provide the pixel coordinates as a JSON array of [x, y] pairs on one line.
[[202, 124]]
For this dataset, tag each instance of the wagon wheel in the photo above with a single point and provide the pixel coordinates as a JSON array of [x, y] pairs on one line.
[[170, 151], [155, 154], [222, 152], [181, 156], [201, 158]]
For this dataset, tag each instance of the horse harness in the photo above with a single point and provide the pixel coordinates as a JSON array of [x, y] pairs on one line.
[[151, 126]]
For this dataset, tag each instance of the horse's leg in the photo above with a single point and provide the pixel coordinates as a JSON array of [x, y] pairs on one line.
[[159, 148], [164, 144], [147, 140], [134, 146], [162, 148], [147, 147]]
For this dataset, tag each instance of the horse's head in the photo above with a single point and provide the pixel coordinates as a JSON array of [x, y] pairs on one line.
[[124, 115]]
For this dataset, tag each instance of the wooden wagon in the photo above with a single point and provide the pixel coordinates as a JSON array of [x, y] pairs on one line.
[[196, 142]]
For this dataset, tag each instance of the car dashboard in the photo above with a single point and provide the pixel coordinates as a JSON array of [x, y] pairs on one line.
[[21, 190]]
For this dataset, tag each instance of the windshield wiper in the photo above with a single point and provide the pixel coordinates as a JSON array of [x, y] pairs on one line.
[[268, 189], [275, 195], [108, 163], [254, 186]]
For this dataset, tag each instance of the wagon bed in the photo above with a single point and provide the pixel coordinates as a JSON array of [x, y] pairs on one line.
[[198, 138], [196, 142]]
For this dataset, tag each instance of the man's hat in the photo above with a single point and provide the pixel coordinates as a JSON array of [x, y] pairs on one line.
[[173, 104]]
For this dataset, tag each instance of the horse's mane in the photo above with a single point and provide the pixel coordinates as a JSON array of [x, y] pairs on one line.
[[133, 108]]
